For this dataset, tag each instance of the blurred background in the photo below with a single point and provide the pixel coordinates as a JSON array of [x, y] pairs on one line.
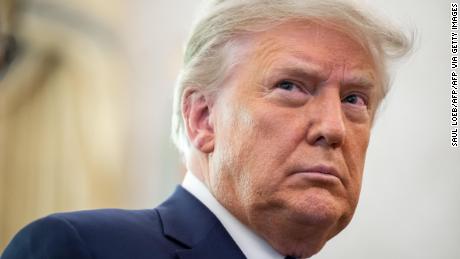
[[85, 104]]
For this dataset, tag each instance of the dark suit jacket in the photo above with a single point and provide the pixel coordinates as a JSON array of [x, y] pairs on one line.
[[182, 228]]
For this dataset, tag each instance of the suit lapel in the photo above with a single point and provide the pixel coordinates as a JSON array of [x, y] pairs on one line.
[[186, 220], [217, 244]]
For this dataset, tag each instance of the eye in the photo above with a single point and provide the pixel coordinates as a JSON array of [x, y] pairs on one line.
[[287, 85], [355, 100], [289, 92]]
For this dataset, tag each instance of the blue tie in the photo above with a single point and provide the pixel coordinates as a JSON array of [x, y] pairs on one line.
[[290, 257]]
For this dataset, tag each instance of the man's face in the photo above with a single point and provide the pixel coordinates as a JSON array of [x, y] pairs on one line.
[[292, 126]]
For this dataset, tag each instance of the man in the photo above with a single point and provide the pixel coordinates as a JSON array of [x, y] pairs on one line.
[[273, 112]]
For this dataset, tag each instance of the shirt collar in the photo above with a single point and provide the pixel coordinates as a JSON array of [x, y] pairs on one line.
[[250, 243]]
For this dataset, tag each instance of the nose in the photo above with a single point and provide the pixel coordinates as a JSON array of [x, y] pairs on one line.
[[327, 126]]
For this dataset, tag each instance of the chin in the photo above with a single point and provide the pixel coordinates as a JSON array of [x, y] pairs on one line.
[[316, 207], [301, 226]]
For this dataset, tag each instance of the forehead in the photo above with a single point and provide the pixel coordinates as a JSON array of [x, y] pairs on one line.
[[321, 48]]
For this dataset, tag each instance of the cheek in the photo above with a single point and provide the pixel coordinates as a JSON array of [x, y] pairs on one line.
[[235, 138], [279, 131], [354, 152], [273, 137], [254, 141]]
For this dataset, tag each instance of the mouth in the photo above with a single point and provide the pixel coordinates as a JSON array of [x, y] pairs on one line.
[[319, 172]]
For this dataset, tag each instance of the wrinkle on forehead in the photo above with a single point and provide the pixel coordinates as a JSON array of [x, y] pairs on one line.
[[268, 51]]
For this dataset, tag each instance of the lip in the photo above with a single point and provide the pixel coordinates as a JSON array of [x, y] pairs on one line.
[[319, 170]]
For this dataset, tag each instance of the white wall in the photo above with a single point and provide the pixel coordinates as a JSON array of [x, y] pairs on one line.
[[410, 202]]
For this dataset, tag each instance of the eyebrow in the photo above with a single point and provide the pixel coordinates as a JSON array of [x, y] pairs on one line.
[[304, 67], [301, 68], [363, 79], [307, 72]]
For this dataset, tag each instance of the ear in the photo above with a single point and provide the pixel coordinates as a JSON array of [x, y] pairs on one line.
[[196, 109]]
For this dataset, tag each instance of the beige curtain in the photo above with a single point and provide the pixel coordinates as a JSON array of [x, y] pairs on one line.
[[61, 119]]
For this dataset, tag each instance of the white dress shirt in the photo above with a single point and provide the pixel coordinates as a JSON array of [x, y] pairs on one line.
[[252, 246]]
